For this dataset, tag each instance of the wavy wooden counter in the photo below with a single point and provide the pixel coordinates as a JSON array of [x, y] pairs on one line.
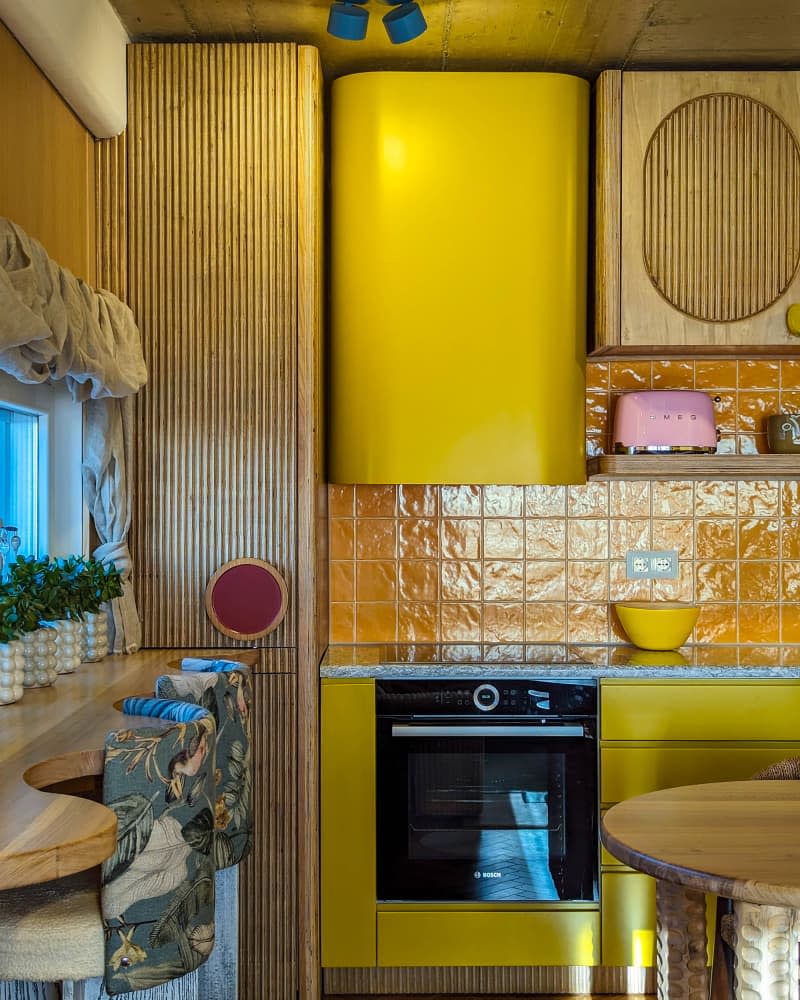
[[57, 734]]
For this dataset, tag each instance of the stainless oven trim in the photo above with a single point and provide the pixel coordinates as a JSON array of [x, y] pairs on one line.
[[509, 732]]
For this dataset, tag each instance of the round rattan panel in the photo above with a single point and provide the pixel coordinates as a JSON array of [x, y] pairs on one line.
[[721, 196]]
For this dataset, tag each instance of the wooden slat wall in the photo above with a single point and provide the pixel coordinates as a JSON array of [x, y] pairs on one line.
[[212, 204], [607, 208]]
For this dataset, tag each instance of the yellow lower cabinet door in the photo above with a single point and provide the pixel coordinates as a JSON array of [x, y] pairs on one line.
[[545, 937], [628, 902], [626, 771]]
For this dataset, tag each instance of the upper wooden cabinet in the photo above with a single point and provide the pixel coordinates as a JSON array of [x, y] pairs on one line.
[[698, 210]]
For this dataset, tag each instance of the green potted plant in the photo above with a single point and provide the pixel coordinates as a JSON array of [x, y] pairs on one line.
[[98, 584], [33, 600], [12, 660], [59, 595]]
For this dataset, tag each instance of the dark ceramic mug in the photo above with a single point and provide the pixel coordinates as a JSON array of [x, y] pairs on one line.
[[783, 433]]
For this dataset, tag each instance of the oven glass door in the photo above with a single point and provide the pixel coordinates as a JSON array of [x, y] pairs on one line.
[[486, 813]]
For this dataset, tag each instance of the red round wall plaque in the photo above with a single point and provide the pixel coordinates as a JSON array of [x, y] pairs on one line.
[[246, 599]]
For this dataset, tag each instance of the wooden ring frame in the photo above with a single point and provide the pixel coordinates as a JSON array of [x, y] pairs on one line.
[[246, 599]]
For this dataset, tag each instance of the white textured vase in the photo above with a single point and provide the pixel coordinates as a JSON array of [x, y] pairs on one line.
[[12, 671], [95, 630], [68, 645], [40, 657]]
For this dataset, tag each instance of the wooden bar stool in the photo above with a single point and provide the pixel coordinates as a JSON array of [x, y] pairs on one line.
[[147, 915]]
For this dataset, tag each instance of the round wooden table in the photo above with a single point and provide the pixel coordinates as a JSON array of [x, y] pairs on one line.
[[738, 839]]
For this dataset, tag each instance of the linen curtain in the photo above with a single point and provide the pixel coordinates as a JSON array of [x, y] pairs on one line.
[[53, 326]]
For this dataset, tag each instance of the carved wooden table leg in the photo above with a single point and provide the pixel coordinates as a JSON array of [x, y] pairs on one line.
[[681, 943], [765, 952]]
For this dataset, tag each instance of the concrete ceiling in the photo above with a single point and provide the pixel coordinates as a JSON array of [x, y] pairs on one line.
[[577, 36]]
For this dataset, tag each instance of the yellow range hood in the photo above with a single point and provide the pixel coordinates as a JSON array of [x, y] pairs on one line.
[[459, 204]]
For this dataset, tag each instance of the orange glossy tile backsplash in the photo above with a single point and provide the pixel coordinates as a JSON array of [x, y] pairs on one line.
[[469, 563]]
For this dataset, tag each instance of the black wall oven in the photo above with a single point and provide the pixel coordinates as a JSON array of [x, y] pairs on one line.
[[487, 791]]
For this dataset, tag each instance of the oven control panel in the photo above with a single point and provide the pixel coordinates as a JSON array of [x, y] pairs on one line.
[[538, 698]]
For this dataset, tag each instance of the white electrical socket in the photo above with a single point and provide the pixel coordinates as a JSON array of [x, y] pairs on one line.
[[650, 565]]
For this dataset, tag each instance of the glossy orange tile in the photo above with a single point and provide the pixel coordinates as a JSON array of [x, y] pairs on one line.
[[503, 537], [715, 581], [628, 534], [418, 580], [460, 622], [717, 623], [461, 501], [343, 623], [725, 411], [753, 408], [418, 501], [545, 501], [758, 498], [715, 539], [597, 414], [681, 589], [596, 444], [376, 501], [673, 498], [673, 374], [759, 538], [597, 375], [503, 501], [587, 581], [715, 498], [790, 623], [545, 581], [376, 538], [341, 538], [790, 400], [620, 588], [790, 498], [759, 374], [462, 580], [503, 623], [587, 623], [418, 622], [418, 537], [790, 581], [545, 622], [629, 498], [727, 444], [587, 539], [630, 376], [341, 500], [759, 622], [759, 581], [790, 374], [590, 500], [376, 622], [343, 581], [715, 375], [790, 540], [503, 580], [376, 581], [460, 538], [677, 535]]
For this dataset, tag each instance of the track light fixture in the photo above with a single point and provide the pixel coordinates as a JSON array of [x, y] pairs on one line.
[[404, 22]]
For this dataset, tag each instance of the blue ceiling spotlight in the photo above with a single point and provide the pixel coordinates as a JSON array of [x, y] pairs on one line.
[[405, 22], [348, 20]]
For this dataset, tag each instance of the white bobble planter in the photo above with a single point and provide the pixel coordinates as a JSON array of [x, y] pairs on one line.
[[95, 630], [12, 671], [40, 658], [68, 645]]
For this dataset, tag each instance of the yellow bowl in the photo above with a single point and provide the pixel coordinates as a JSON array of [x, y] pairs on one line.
[[657, 625]]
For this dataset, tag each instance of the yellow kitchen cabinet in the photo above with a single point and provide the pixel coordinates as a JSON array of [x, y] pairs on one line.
[[698, 237], [347, 821], [628, 918]]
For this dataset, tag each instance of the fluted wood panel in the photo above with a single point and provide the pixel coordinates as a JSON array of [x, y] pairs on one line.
[[276, 661], [268, 878], [495, 981], [608, 208], [721, 187], [212, 208], [111, 198]]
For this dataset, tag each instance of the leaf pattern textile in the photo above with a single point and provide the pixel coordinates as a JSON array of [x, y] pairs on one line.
[[157, 892]]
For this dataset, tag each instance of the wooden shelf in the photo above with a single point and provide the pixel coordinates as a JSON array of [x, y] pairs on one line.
[[694, 467]]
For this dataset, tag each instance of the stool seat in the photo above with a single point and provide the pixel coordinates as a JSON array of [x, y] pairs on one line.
[[53, 930]]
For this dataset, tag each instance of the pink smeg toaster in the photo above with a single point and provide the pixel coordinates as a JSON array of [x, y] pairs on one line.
[[666, 420]]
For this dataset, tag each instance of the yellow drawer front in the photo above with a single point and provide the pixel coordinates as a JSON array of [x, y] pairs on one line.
[[719, 711], [628, 771], [560, 937], [348, 890], [629, 918]]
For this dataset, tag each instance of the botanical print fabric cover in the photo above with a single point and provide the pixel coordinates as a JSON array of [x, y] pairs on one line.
[[158, 887], [228, 696]]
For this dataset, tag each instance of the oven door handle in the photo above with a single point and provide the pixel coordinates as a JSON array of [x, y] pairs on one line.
[[509, 732]]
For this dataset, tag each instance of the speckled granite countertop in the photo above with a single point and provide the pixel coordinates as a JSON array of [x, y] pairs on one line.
[[557, 660]]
